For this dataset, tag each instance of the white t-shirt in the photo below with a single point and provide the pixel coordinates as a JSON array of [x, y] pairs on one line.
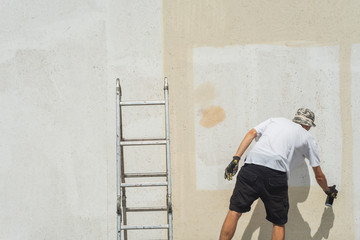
[[283, 145]]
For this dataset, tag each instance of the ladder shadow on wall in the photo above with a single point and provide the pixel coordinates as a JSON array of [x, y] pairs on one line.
[[297, 227]]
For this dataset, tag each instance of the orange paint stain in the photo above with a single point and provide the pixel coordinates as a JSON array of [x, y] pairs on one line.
[[212, 116]]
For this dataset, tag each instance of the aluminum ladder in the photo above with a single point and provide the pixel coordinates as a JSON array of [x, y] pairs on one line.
[[122, 208]]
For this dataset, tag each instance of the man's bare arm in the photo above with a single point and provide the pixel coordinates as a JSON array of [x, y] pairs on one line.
[[245, 143], [232, 168], [320, 178]]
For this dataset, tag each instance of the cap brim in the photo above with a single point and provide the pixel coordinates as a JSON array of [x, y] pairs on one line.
[[304, 121]]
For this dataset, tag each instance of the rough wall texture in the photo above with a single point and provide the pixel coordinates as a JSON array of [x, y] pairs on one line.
[[53, 109], [355, 102], [207, 38], [58, 64]]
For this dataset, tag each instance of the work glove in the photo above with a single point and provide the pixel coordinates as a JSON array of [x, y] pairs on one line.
[[332, 192], [232, 168]]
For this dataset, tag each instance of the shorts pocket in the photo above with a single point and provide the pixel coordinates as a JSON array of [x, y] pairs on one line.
[[247, 176], [278, 185]]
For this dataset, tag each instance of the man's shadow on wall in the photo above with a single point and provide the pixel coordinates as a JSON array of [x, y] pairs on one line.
[[297, 227]]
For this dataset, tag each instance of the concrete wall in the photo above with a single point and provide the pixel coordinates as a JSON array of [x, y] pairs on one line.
[[58, 65], [54, 120], [355, 102], [236, 63], [230, 64]]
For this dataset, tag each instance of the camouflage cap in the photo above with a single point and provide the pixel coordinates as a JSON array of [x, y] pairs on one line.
[[304, 116]]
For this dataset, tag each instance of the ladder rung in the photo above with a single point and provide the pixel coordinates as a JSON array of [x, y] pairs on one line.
[[144, 184], [139, 227], [155, 174], [143, 142], [145, 209], [141, 103]]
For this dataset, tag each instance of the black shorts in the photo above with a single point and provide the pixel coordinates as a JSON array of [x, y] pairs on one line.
[[255, 181]]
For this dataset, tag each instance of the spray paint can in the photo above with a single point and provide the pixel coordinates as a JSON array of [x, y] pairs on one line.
[[331, 196], [329, 201]]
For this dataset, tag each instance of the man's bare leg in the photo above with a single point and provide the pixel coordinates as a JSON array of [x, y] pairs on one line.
[[229, 226], [278, 232]]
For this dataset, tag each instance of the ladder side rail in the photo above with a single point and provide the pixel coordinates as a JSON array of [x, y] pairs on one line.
[[168, 163], [122, 174], [118, 161], [120, 166]]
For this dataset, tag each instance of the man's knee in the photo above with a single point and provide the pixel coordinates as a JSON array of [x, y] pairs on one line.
[[229, 226], [234, 215], [277, 225]]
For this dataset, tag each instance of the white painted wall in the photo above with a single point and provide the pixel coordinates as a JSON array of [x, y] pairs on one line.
[[355, 101], [58, 64], [255, 82], [53, 120]]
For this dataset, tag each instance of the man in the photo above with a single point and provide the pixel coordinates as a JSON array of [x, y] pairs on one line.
[[281, 145]]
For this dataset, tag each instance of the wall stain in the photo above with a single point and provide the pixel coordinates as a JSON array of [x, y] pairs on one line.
[[300, 24], [212, 116]]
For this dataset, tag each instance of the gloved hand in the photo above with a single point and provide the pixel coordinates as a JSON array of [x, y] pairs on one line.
[[332, 192], [232, 168]]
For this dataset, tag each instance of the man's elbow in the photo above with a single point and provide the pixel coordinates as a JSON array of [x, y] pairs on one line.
[[320, 178], [319, 175], [252, 133]]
